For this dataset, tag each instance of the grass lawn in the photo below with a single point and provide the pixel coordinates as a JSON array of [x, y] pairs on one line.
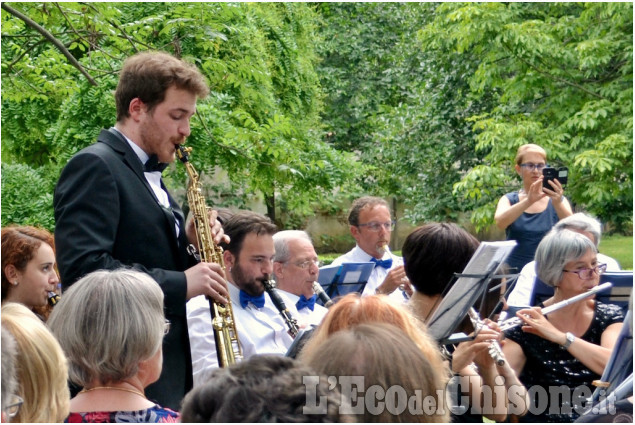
[[620, 248]]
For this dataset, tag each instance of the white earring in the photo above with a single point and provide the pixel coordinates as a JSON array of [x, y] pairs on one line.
[[15, 283]]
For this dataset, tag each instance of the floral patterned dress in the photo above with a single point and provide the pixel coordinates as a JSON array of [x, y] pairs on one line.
[[156, 414]]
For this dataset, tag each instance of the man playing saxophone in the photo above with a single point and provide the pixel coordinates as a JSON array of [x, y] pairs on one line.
[[248, 260], [113, 210]]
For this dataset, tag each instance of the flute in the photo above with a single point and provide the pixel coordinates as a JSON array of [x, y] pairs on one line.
[[516, 321], [494, 349]]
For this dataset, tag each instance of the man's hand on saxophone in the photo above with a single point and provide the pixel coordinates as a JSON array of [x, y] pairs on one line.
[[218, 234], [207, 279]]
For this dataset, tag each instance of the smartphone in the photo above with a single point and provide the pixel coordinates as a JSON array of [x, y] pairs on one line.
[[549, 173]]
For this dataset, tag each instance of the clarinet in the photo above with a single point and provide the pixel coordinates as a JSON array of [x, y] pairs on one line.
[[326, 300], [291, 323]]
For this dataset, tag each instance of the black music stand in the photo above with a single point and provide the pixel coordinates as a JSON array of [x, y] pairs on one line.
[[468, 288]]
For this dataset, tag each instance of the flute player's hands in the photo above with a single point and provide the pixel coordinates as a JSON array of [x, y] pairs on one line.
[[534, 322], [475, 351]]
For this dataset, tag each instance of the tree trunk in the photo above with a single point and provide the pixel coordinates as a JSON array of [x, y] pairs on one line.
[[270, 201]]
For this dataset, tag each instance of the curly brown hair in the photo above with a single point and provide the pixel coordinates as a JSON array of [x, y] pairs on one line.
[[19, 246]]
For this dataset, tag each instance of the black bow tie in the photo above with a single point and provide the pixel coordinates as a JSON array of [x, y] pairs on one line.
[[153, 164]]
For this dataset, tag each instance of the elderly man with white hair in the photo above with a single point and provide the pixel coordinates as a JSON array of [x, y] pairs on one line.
[[579, 222], [295, 267]]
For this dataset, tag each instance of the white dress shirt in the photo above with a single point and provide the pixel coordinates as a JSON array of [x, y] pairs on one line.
[[305, 316], [521, 294], [378, 275], [260, 331], [153, 178]]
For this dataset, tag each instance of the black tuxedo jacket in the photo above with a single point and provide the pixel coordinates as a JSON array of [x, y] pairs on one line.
[[107, 217]]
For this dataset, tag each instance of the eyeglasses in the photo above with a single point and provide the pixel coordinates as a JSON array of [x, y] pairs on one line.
[[306, 264], [531, 166], [14, 406], [374, 226], [586, 274], [166, 327]]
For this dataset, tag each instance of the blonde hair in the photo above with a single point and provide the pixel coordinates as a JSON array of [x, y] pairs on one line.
[[525, 149], [352, 310], [41, 368]]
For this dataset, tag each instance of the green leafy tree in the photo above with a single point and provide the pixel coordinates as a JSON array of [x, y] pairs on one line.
[[399, 107], [562, 73], [259, 126]]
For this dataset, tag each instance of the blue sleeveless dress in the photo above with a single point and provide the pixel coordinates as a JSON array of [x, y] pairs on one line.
[[528, 230]]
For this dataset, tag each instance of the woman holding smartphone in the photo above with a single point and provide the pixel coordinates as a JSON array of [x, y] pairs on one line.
[[527, 215]]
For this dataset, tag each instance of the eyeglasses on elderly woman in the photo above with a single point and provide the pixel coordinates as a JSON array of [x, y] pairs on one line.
[[587, 273]]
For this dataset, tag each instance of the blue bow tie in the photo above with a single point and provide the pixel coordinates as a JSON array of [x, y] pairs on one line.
[[382, 263], [245, 298], [303, 302], [153, 164]]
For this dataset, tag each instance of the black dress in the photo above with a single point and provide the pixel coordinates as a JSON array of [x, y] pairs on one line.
[[558, 383]]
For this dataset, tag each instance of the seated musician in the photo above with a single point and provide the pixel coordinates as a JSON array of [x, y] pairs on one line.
[[432, 254], [371, 226], [571, 346], [295, 268], [248, 260], [578, 222]]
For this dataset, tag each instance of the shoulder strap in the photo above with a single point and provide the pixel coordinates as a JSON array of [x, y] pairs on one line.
[[513, 197]]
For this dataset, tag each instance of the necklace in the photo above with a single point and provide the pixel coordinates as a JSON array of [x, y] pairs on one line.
[[114, 388]]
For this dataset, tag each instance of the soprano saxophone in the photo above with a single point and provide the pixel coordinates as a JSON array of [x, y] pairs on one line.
[[228, 347]]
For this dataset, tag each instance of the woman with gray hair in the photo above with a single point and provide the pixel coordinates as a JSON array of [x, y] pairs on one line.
[[521, 295], [111, 325], [572, 346]]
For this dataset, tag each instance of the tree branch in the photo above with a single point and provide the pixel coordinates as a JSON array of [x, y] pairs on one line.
[[121, 31], [47, 35], [24, 52], [554, 77]]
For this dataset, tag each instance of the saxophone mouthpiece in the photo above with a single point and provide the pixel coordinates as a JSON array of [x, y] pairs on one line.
[[182, 153]]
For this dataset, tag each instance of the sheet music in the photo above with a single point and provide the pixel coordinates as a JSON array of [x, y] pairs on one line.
[[352, 276], [465, 291]]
